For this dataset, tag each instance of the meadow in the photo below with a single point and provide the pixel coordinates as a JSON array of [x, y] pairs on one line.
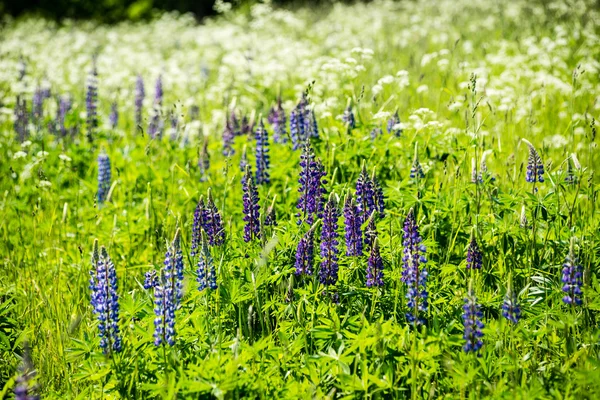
[[391, 200]]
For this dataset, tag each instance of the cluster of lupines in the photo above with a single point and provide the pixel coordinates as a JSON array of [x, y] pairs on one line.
[[25, 388], [369, 196], [21, 123], [104, 299], [474, 256], [414, 273], [150, 279], [139, 99], [375, 266], [206, 274], [91, 103], [312, 190], [352, 223], [262, 154], [305, 253], [37, 103], [535, 166], [251, 207], [277, 119], [393, 125], [113, 117], [210, 220], [104, 177], [572, 278], [204, 161], [303, 123], [328, 273], [168, 293], [473, 325], [64, 105]]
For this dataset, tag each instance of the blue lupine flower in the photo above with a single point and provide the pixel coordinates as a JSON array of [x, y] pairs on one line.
[[348, 118], [474, 256], [535, 166], [414, 273], [197, 226], [328, 273], [158, 92], [37, 104], [365, 195], [296, 128], [416, 171], [139, 99], [572, 278], [21, 124], [251, 207], [207, 276], [393, 125], [155, 126], [91, 103], [262, 154], [312, 190], [305, 253], [105, 300], [204, 161], [375, 267], [113, 118], [150, 279], [277, 119], [103, 177], [174, 126], [353, 234], [212, 223], [472, 316], [510, 307], [64, 105], [228, 138], [311, 125], [25, 389]]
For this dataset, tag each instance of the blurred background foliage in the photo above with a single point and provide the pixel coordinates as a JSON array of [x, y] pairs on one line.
[[111, 11]]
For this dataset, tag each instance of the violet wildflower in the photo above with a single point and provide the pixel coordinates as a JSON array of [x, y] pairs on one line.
[[474, 256], [375, 267], [207, 276], [158, 92], [247, 125], [535, 166], [37, 104], [156, 124], [21, 124], [365, 194], [251, 207], [197, 226], [262, 154], [228, 137], [64, 105], [296, 128], [150, 279], [414, 273], [204, 161], [312, 127], [348, 118], [305, 253], [353, 234], [139, 99], [91, 103], [277, 119], [25, 388], [104, 177], [393, 125], [472, 316], [113, 117], [212, 223], [328, 273], [312, 191], [572, 278], [510, 307], [105, 300]]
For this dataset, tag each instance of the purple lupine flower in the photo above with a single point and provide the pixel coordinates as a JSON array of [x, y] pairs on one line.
[[158, 92], [375, 267], [375, 133], [104, 177], [271, 215], [139, 99], [328, 273], [296, 128], [207, 276], [37, 104], [312, 190], [393, 125], [204, 161], [348, 118], [251, 207], [64, 105], [510, 307], [150, 279], [353, 234], [414, 273], [21, 119], [235, 123], [379, 198], [228, 138], [474, 256], [113, 118], [91, 103], [416, 171], [168, 293], [197, 226], [262, 154], [277, 119], [472, 316], [371, 231], [365, 195], [312, 127], [105, 300], [155, 126], [244, 160], [247, 125], [535, 166], [25, 389], [572, 278], [305, 253], [212, 223]]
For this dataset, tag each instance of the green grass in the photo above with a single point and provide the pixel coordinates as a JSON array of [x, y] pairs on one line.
[[537, 77]]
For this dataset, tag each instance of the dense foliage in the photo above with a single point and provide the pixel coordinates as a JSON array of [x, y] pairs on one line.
[[392, 200]]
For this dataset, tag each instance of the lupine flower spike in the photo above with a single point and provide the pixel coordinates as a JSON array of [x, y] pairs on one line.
[[262, 154], [104, 177], [312, 190], [91, 103], [535, 166], [139, 99], [416, 171], [251, 207], [472, 316], [271, 215], [414, 273], [204, 161], [328, 273], [212, 222], [375, 267], [197, 226], [572, 278], [150, 279], [228, 138], [104, 299], [305, 253], [365, 194], [21, 124], [207, 276], [277, 119], [353, 233], [510, 307], [113, 118], [474, 256], [25, 388]]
